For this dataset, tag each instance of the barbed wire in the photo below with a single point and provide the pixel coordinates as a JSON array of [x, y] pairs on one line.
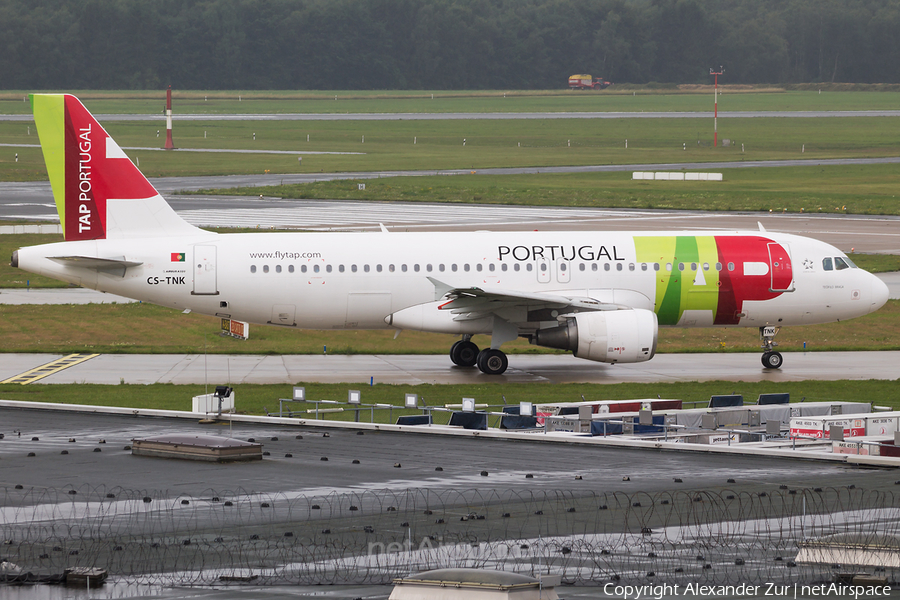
[[365, 537]]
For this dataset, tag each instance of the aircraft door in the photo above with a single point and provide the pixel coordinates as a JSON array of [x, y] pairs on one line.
[[780, 268], [205, 281], [562, 270], [543, 267]]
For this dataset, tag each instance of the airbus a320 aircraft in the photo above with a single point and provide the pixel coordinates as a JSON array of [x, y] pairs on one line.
[[600, 295]]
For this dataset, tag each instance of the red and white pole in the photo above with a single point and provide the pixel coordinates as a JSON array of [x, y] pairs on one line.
[[169, 144], [716, 105]]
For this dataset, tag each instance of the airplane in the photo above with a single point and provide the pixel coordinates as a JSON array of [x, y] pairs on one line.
[[601, 295]]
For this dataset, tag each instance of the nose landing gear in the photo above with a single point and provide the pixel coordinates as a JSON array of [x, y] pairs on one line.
[[770, 358]]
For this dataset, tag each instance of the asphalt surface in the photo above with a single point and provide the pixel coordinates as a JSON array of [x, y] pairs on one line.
[[17, 197], [62, 460], [437, 369], [462, 461]]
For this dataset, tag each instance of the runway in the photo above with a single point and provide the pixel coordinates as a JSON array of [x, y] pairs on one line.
[[34, 199], [219, 369]]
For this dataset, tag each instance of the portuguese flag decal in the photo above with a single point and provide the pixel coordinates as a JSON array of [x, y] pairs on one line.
[[178, 257]]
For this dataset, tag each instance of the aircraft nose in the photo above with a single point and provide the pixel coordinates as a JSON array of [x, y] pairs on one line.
[[880, 293]]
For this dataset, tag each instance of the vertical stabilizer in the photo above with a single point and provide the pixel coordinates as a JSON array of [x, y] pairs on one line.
[[99, 193]]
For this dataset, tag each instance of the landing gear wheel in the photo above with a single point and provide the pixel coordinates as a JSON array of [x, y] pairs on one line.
[[492, 362], [772, 360], [464, 353]]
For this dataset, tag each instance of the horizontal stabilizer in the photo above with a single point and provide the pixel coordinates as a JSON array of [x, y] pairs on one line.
[[115, 266]]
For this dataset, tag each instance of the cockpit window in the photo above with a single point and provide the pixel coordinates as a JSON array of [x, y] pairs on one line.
[[839, 264], [826, 264], [849, 262]]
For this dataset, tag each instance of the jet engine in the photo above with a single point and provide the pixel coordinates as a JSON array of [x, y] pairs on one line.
[[625, 336]]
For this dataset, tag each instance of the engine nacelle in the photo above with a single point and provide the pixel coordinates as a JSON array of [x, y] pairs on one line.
[[616, 336]]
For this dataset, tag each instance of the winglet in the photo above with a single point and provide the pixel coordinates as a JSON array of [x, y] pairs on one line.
[[761, 228]]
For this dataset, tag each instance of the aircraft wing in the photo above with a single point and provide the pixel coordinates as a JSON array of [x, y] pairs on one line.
[[478, 302]]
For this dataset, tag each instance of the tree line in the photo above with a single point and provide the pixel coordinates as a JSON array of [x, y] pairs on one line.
[[440, 44]]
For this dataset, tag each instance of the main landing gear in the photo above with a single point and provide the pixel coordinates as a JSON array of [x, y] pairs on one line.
[[489, 361], [770, 358]]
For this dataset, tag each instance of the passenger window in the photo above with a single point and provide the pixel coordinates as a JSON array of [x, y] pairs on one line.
[[631, 266], [606, 267], [668, 266], [656, 266], [441, 267], [328, 268], [826, 264], [618, 266], [253, 268], [528, 267], [391, 268], [581, 266], [839, 264], [366, 268], [491, 267], [403, 268], [681, 266], [706, 266], [718, 266], [731, 266], [595, 267], [290, 268], [278, 268], [303, 268], [543, 267], [265, 268], [503, 267], [643, 266], [479, 267], [516, 267], [340, 268], [466, 267], [562, 267], [453, 267], [353, 268], [693, 266], [428, 268], [378, 268], [416, 267], [316, 268]]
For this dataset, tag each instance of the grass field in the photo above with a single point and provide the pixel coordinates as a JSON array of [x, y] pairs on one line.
[[489, 143], [258, 399], [144, 328], [618, 98], [860, 189]]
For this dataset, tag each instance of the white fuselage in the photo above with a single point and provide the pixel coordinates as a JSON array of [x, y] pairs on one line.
[[358, 280]]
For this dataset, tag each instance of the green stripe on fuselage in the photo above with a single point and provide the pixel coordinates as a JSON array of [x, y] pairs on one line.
[[678, 290], [50, 118]]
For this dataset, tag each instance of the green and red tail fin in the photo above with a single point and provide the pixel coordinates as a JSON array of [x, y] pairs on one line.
[[99, 192]]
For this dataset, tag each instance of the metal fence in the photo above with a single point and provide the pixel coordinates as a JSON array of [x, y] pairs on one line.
[[374, 536]]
